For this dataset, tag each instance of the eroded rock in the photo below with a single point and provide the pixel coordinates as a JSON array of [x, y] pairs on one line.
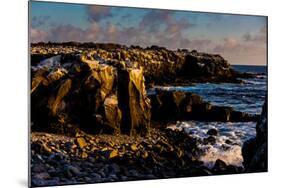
[[72, 92], [178, 105], [255, 150]]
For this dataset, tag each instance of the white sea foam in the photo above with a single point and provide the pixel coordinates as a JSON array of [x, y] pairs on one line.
[[231, 156], [229, 141]]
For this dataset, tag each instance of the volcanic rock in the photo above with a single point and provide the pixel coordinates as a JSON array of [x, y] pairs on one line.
[[75, 91], [178, 105], [161, 65], [212, 132], [255, 150]]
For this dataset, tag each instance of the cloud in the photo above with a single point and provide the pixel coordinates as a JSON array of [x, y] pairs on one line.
[[157, 27], [38, 21], [228, 44], [154, 19], [97, 13], [236, 50], [37, 35], [249, 48], [200, 44], [260, 37], [67, 32], [172, 38], [241, 51]]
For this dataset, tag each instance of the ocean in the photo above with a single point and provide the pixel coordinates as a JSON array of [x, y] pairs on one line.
[[247, 97]]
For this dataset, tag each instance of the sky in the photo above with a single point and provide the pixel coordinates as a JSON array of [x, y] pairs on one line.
[[239, 39]]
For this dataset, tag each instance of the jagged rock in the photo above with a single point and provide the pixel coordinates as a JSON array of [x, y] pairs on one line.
[[255, 150], [112, 113], [134, 104], [161, 65], [220, 166], [220, 113], [178, 105], [55, 101], [72, 92], [199, 64]]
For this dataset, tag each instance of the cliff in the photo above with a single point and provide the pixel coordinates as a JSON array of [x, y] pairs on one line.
[[161, 66], [76, 91]]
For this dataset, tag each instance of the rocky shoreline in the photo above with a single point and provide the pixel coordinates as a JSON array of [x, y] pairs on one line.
[[92, 120], [60, 160], [162, 66]]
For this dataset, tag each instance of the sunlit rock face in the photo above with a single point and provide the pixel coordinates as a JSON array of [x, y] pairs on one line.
[[71, 92], [102, 87]]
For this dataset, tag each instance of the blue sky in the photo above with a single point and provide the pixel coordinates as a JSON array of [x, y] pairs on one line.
[[240, 39]]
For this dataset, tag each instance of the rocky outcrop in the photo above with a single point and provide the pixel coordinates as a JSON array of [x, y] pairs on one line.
[[177, 105], [133, 101], [255, 150], [207, 68], [162, 66], [71, 92]]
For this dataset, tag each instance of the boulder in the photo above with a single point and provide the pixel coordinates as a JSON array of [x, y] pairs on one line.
[[178, 105], [220, 113], [167, 105], [212, 132], [255, 150], [74, 92]]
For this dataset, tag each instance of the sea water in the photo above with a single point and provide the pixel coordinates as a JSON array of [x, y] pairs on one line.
[[246, 97]]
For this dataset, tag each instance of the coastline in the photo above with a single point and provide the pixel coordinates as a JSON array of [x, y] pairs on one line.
[[114, 80]]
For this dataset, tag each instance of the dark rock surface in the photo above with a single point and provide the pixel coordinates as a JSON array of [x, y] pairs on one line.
[[162, 66], [255, 150], [212, 132], [62, 160], [101, 87], [177, 105], [75, 91]]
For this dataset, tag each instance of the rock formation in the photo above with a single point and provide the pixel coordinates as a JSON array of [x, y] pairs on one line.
[[255, 150], [77, 91], [177, 105], [161, 65]]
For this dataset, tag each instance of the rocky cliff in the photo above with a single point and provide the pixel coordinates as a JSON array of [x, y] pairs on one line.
[[102, 87], [161, 66]]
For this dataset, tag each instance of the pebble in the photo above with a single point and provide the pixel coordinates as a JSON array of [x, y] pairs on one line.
[[113, 153], [81, 142], [134, 147], [42, 175]]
